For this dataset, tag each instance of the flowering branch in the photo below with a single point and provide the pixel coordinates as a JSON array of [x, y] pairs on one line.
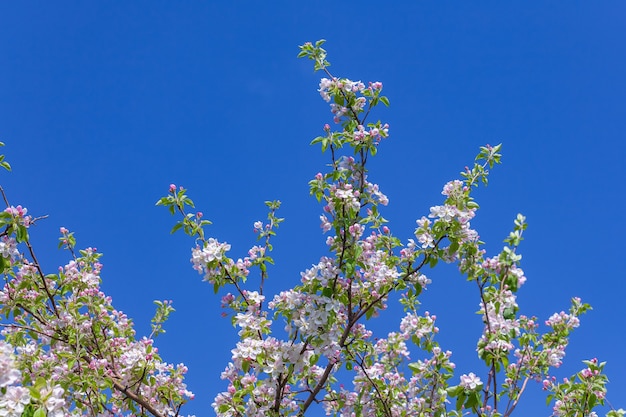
[[76, 353]]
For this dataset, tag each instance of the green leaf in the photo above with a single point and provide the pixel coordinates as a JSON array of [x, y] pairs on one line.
[[41, 412], [350, 268], [454, 391], [176, 227], [454, 246], [508, 313], [472, 401], [460, 400], [22, 234], [325, 143]]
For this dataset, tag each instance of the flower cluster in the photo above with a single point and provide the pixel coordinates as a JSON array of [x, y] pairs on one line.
[[76, 353], [207, 259], [470, 382], [580, 393], [13, 398], [19, 214]]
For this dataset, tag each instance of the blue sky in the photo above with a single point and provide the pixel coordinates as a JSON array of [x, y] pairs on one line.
[[104, 104]]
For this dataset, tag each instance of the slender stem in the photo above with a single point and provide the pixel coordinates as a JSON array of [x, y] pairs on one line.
[[360, 362]]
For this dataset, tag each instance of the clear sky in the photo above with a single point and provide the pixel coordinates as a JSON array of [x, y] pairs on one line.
[[104, 104]]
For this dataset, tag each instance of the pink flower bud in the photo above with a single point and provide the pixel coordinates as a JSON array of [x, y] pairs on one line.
[[172, 188]]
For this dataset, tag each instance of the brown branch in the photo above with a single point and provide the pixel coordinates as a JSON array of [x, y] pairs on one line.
[[136, 398]]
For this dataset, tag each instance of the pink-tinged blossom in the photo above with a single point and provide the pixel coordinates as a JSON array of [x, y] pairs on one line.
[[325, 225], [212, 251], [422, 280], [445, 213], [491, 265], [418, 326], [498, 345], [13, 401], [277, 356], [588, 373], [423, 222], [350, 86], [359, 104], [377, 85], [9, 374], [356, 230], [392, 348], [359, 134], [470, 381], [408, 251], [348, 196], [254, 299], [453, 189], [338, 111], [423, 233], [375, 274], [345, 163], [54, 402], [325, 85], [496, 309], [255, 252], [133, 357], [8, 248], [555, 355], [426, 239], [519, 273], [227, 300], [563, 319], [374, 190], [251, 322], [18, 211]]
